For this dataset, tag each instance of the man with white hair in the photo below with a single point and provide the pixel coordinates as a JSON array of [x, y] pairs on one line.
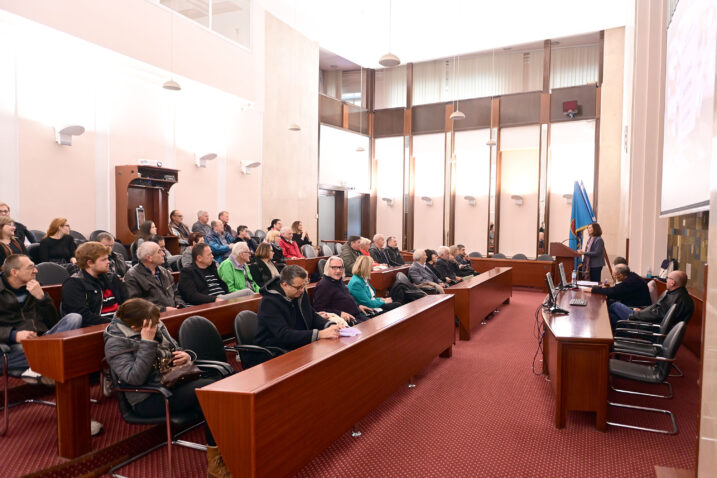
[[444, 267], [289, 247], [149, 280], [376, 250], [202, 225], [235, 270], [422, 276], [331, 294]]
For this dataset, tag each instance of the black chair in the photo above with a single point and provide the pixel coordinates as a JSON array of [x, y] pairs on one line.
[[33, 252], [94, 234], [39, 235], [16, 373], [133, 252], [78, 236], [544, 257], [308, 250], [260, 234], [475, 254], [654, 372], [320, 267], [120, 249], [498, 255], [326, 250], [202, 337], [245, 325], [49, 273], [520, 256]]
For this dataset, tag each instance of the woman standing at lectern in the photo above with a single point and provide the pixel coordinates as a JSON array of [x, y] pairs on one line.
[[594, 252]]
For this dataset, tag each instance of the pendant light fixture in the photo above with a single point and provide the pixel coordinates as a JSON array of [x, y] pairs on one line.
[[360, 148], [492, 141], [171, 84], [457, 113], [389, 60]]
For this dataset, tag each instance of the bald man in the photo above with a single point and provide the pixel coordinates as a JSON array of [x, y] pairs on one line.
[[676, 293]]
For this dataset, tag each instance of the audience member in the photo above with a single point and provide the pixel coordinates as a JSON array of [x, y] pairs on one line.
[[145, 232], [9, 243], [22, 234], [179, 229], [422, 276], [200, 283], [194, 238], [135, 341], [445, 267], [300, 237], [26, 311], [331, 294], [431, 257], [243, 234], [224, 218], [149, 280], [272, 238], [263, 269], [92, 292], [289, 248], [362, 291], [202, 225], [286, 317], [57, 245], [393, 254], [275, 225], [350, 252], [117, 263], [377, 251], [235, 270], [219, 241], [619, 260], [364, 246], [676, 293], [464, 264], [159, 240], [629, 289]]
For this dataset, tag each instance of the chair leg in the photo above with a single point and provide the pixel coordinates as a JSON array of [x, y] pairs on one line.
[[644, 394], [679, 371], [673, 431]]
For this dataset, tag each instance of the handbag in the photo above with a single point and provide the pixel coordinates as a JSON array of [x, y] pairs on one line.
[[172, 376]]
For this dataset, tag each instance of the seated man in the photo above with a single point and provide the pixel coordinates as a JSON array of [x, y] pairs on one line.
[[377, 249], [219, 241], [22, 235], [676, 293], [117, 263], [331, 294], [393, 255], [286, 318], [200, 282], [350, 252], [235, 270], [464, 264], [202, 225], [289, 247], [445, 267], [149, 280], [244, 235], [224, 218], [26, 311], [629, 289], [422, 276], [92, 292], [179, 229]]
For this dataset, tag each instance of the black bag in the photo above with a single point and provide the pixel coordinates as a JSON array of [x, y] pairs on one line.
[[404, 293], [177, 375]]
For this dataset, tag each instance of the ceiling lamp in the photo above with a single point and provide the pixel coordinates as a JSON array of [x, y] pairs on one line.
[[170, 84], [389, 59], [457, 115]]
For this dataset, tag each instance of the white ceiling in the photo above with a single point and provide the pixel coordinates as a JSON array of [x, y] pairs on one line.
[[358, 30]]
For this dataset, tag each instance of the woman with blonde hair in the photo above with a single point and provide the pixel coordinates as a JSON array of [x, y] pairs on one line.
[[272, 238], [300, 236], [9, 245], [58, 245], [361, 290]]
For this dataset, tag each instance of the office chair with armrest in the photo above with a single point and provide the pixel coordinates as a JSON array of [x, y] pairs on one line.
[[94, 234], [544, 257], [475, 254], [33, 252], [39, 235], [245, 325], [308, 250], [260, 234], [49, 273], [120, 249], [338, 246], [202, 337], [654, 372], [520, 256], [78, 236], [326, 250], [499, 255], [652, 287], [320, 267]]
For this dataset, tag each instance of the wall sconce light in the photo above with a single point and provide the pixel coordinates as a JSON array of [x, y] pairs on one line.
[[491, 142], [294, 127], [471, 200], [247, 166], [429, 201], [201, 161], [64, 133], [389, 201], [568, 198], [517, 199]]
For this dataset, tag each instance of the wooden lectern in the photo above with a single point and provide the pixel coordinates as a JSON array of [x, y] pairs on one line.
[[565, 255]]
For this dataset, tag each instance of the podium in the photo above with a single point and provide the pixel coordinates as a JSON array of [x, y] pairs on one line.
[[563, 255]]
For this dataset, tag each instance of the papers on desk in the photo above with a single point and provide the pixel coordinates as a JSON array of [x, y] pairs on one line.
[[587, 283], [349, 332]]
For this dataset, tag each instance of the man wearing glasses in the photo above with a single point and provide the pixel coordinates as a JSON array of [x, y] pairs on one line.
[[286, 317], [331, 294]]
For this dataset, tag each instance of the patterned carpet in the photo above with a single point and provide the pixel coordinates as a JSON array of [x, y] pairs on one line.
[[481, 413]]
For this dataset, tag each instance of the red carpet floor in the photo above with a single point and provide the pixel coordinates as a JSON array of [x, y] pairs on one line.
[[481, 413]]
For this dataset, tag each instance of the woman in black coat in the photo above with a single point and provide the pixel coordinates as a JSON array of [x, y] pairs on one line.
[[263, 268]]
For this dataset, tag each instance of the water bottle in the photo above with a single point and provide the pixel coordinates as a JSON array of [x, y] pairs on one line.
[[574, 278], [649, 273]]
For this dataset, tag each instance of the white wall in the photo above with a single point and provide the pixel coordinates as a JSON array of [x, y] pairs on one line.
[[472, 179], [429, 151], [389, 184]]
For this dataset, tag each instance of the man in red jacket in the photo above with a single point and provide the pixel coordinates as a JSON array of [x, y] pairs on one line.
[[288, 246]]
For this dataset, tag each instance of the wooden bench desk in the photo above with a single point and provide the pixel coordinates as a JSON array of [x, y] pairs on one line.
[[309, 264], [382, 280], [70, 357], [480, 295], [272, 419], [526, 273], [576, 348]]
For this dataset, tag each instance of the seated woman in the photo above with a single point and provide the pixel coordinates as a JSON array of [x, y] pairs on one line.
[[364, 246], [9, 245], [136, 344], [58, 245], [272, 238], [235, 270], [263, 269], [362, 291], [145, 232], [194, 238], [300, 237]]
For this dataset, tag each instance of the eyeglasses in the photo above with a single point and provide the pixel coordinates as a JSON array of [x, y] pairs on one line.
[[65, 225], [299, 287], [336, 267], [4, 211]]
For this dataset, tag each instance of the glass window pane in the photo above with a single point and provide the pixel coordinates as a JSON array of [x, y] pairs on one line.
[[429, 153], [340, 164], [575, 65], [389, 186], [472, 185]]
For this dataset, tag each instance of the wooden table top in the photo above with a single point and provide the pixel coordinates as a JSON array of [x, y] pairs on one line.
[[583, 323], [469, 282]]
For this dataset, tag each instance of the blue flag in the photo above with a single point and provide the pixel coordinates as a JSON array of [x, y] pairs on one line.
[[581, 217]]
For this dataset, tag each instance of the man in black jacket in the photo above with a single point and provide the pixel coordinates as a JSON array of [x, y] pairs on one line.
[[331, 294], [117, 263], [377, 251], [244, 235], [200, 282], [150, 281], [26, 311], [676, 293], [93, 292], [629, 289], [392, 253], [445, 268], [286, 317]]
